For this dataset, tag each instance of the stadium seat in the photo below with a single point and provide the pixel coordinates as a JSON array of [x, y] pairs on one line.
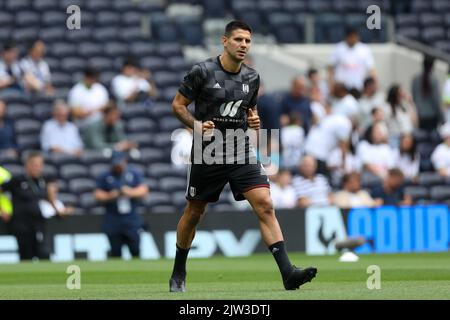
[[137, 110], [214, 9], [108, 18], [432, 34], [421, 6], [131, 18], [130, 34], [169, 49], [157, 199], [14, 169], [162, 140], [17, 5], [52, 34], [60, 159], [172, 184], [160, 110], [163, 209], [98, 5], [98, 168], [6, 19], [428, 19], [161, 170], [179, 199], [253, 18], [27, 19], [115, 49], [317, 6], [25, 35], [83, 34], [81, 185], [27, 126], [329, 28], [417, 192], [344, 6], [18, 111], [5, 32], [68, 199], [428, 179], [106, 34], [62, 186], [150, 155], [102, 63], [28, 142], [407, 20], [440, 193], [87, 201], [63, 79], [71, 171], [142, 49], [45, 5], [142, 139], [191, 33], [91, 157], [153, 63], [141, 125], [165, 78], [295, 6], [62, 49], [409, 32], [73, 64], [53, 18], [89, 49]]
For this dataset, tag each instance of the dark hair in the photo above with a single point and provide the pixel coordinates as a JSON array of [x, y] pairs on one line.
[[351, 31], [395, 172], [9, 45], [31, 44], [110, 107], [428, 62], [311, 71], [130, 62], [30, 154], [368, 81], [393, 100], [234, 25], [91, 72], [413, 151], [346, 178]]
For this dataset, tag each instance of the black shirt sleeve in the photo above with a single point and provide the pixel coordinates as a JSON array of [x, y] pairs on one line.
[[254, 98], [192, 82]]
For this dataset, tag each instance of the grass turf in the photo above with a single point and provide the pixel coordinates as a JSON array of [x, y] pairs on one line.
[[406, 276]]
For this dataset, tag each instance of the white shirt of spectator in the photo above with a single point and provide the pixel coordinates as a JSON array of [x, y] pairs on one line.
[[402, 122], [92, 98], [347, 106], [318, 110], [283, 198], [315, 190], [352, 162], [380, 155], [366, 105], [39, 69], [66, 137], [123, 86], [441, 157], [446, 99], [292, 140], [352, 64], [408, 166], [326, 135]]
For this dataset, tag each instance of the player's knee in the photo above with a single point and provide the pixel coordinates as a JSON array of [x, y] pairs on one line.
[[265, 207], [194, 212]]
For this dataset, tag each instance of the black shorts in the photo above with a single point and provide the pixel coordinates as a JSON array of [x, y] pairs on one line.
[[206, 182]]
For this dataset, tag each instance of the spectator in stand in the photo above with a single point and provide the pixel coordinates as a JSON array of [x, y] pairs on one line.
[[311, 188], [341, 162], [344, 103], [316, 82], [376, 115], [319, 106], [11, 75], [351, 195], [376, 155], [407, 159], [390, 191], [425, 90], [37, 70], [371, 98], [269, 109], [133, 84], [58, 135], [441, 155], [88, 98], [400, 113], [8, 144], [292, 141], [446, 97], [282, 191], [332, 132], [352, 62], [108, 132], [296, 101]]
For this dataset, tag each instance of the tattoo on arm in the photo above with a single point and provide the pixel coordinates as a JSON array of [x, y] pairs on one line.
[[185, 116]]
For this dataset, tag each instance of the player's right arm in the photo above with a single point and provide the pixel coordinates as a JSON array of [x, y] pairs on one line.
[[179, 107]]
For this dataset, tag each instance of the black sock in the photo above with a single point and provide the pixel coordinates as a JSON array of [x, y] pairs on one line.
[[179, 266], [279, 253]]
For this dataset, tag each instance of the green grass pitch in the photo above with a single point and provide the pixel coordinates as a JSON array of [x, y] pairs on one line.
[[406, 276]]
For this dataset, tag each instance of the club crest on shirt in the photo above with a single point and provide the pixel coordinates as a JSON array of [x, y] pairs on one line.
[[192, 191], [245, 88]]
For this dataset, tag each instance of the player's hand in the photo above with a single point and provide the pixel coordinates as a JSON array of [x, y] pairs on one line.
[[253, 119], [126, 191], [114, 194], [208, 128]]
